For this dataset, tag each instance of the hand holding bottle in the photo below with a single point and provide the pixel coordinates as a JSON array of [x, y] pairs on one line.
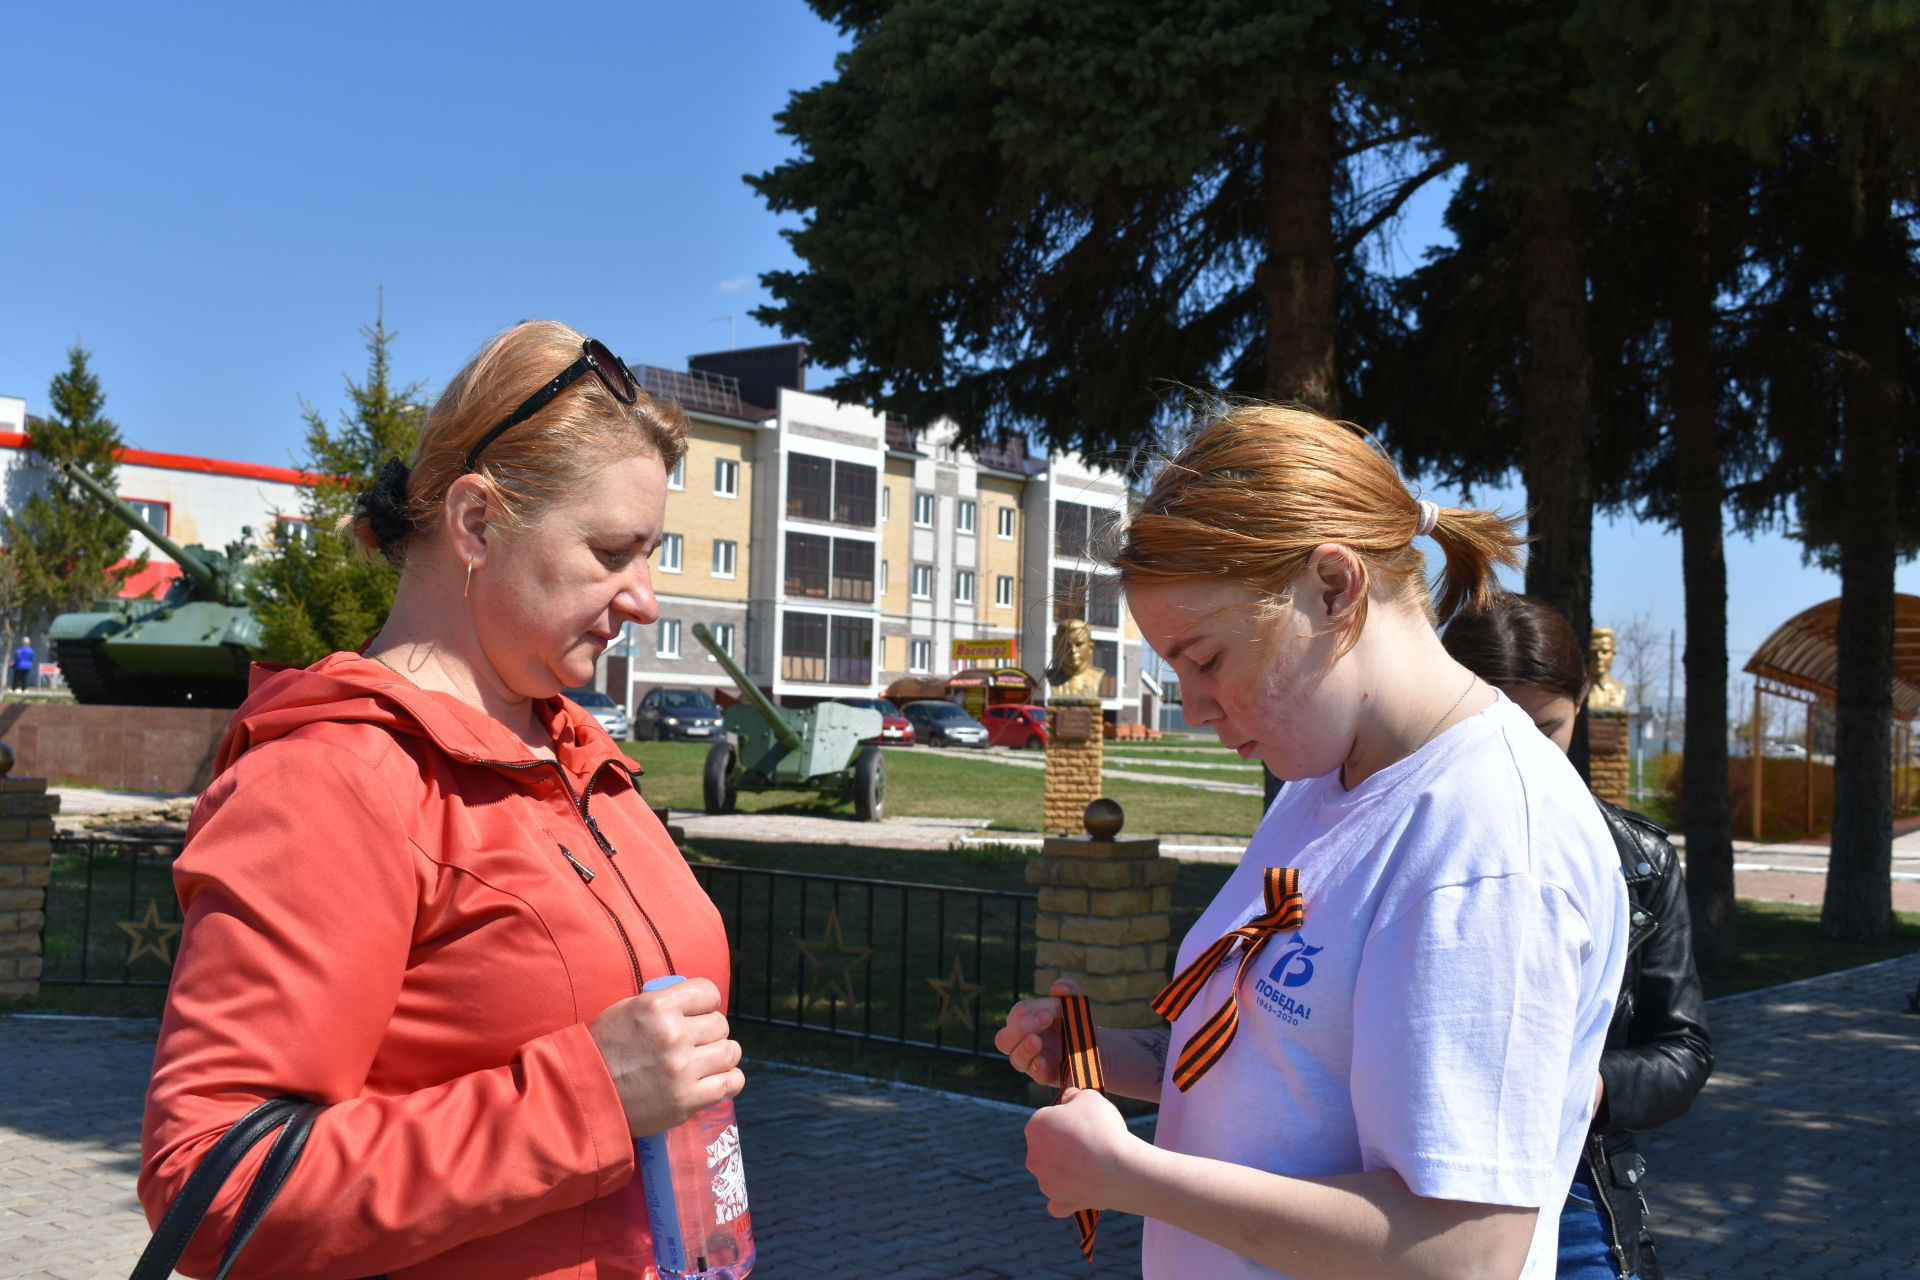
[[669, 1054]]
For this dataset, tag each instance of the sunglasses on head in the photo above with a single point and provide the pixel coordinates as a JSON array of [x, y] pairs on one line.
[[595, 359]]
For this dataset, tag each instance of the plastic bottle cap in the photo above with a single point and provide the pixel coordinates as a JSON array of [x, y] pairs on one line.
[[657, 984]]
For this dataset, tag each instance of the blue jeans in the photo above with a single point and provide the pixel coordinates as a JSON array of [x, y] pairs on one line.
[[1586, 1252]]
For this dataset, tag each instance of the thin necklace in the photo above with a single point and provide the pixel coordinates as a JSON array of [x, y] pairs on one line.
[[1472, 680], [389, 666]]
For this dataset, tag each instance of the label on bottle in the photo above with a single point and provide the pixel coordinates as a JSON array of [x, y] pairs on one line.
[[729, 1176], [663, 1212]]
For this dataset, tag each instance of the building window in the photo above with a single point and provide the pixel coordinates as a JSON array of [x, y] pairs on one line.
[[824, 489], [821, 649], [883, 577], [963, 586], [919, 655], [1106, 656], [1070, 529], [668, 645], [1095, 599], [803, 647], [851, 659], [853, 488], [963, 514], [923, 582], [726, 477], [293, 529], [886, 503], [809, 487], [722, 636], [1003, 591], [157, 514], [853, 570], [809, 557], [677, 478], [671, 546], [923, 510], [1006, 523], [1080, 530], [726, 558]]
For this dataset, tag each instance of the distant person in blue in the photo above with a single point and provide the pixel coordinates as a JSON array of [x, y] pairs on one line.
[[22, 665]]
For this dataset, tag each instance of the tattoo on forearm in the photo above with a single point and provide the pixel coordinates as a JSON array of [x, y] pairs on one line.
[[1156, 1043]]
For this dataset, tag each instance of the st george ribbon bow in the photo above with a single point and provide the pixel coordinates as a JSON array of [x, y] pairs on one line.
[[1286, 910]]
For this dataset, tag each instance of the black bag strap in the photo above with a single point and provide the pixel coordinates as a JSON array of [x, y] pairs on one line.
[[281, 1157], [183, 1216]]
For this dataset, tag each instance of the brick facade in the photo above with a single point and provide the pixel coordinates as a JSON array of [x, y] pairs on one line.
[[26, 852], [1609, 762]]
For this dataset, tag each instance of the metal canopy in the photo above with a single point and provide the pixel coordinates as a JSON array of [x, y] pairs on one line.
[[1801, 660]]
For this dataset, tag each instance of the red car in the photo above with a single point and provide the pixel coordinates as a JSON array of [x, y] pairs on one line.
[[895, 729], [1016, 726]]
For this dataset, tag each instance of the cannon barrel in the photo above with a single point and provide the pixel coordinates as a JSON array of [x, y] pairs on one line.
[[210, 582], [776, 719]]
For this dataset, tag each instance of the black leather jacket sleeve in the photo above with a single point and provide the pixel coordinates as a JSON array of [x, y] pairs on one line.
[[1658, 1052]]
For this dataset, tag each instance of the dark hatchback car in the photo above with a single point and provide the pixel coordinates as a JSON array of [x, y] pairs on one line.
[[944, 724], [687, 714], [895, 729], [1016, 726]]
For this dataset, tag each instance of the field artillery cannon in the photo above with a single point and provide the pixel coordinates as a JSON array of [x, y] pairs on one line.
[[770, 748], [193, 647]]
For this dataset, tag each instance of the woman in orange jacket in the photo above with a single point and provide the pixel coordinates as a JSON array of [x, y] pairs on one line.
[[424, 888]]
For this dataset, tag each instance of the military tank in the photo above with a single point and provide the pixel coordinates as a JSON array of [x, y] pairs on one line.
[[190, 648]]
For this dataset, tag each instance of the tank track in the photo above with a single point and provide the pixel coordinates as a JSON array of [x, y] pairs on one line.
[[85, 674]]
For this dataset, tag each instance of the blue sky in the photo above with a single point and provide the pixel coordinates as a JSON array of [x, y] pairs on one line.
[[211, 196]]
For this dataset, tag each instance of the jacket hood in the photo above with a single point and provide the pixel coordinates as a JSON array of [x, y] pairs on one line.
[[350, 688]]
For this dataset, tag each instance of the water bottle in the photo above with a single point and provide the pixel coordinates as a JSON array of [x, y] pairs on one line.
[[696, 1192]]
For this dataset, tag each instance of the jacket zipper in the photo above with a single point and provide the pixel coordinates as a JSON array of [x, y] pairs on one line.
[[586, 877], [606, 847]]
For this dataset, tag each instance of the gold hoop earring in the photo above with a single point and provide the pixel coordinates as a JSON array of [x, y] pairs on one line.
[[468, 589]]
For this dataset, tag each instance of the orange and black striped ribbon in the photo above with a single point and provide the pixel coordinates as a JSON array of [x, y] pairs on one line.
[[1285, 910], [1082, 1069]]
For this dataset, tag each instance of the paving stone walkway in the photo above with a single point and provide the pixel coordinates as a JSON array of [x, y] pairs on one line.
[[1800, 1161]]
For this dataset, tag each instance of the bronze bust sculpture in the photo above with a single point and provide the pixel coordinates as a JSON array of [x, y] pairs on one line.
[[1072, 673], [1603, 690]]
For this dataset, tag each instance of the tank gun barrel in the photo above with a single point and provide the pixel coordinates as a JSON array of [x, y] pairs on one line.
[[776, 718], [189, 563]]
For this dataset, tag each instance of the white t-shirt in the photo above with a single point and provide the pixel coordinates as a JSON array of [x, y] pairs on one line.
[[1442, 1009]]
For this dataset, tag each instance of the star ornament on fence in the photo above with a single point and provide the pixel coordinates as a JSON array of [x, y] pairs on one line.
[[139, 930], [832, 961], [968, 993]]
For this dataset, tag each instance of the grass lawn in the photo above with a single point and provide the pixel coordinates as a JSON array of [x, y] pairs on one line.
[[925, 784]]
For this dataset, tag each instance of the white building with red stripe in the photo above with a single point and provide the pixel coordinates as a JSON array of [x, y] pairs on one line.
[[209, 501]]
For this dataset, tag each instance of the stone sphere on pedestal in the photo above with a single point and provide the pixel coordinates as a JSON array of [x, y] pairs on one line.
[[1104, 818], [6, 759]]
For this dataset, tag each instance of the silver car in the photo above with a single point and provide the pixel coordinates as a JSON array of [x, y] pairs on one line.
[[944, 724], [605, 710]]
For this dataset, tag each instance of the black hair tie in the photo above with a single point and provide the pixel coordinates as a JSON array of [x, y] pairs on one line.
[[384, 507]]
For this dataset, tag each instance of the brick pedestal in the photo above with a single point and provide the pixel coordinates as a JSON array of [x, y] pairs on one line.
[[1103, 922], [1609, 752], [26, 854], [1074, 749]]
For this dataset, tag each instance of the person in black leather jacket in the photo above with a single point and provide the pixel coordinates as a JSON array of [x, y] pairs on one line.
[[1658, 1053]]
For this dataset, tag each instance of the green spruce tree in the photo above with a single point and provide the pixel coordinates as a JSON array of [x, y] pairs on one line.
[[65, 550], [315, 591]]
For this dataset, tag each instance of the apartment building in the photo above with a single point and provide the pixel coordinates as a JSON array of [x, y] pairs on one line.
[[836, 552]]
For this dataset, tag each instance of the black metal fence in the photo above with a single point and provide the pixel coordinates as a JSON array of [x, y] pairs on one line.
[[935, 966], [112, 918], [929, 965]]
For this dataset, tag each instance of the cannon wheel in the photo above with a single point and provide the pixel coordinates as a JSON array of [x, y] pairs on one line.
[[869, 785], [717, 782]]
